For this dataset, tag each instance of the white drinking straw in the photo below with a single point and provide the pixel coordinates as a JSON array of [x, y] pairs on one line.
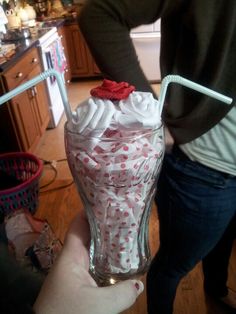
[[165, 82], [197, 87]]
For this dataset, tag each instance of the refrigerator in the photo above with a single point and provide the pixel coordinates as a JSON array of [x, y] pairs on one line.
[[147, 43]]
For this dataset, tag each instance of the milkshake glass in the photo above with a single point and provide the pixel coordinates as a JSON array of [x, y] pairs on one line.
[[116, 179]]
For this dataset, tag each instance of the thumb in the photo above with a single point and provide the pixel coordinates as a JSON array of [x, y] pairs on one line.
[[122, 295]]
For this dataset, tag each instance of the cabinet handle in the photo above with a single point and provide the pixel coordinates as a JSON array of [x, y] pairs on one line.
[[34, 91], [34, 60], [19, 74]]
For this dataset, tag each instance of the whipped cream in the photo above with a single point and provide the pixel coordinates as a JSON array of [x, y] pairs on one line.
[[138, 110]]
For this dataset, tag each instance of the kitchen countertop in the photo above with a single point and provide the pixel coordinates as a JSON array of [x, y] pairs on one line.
[[23, 45]]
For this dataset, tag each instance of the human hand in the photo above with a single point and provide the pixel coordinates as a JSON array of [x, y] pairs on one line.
[[70, 289]]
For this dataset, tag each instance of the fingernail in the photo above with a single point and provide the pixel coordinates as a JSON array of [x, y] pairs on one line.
[[139, 286]]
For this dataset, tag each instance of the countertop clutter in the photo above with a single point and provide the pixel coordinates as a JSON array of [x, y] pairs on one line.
[[13, 48], [24, 24]]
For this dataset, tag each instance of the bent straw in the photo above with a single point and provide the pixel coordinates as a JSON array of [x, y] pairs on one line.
[[36, 80], [197, 87], [165, 82]]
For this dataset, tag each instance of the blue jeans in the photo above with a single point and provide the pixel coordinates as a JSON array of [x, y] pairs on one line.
[[195, 206]]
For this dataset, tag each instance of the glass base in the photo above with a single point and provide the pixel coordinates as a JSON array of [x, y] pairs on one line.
[[107, 279]]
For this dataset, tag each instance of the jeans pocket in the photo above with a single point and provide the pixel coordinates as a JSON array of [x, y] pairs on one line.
[[191, 171]]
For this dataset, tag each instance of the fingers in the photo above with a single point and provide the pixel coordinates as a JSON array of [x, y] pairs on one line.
[[119, 297], [77, 240], [78, 231]]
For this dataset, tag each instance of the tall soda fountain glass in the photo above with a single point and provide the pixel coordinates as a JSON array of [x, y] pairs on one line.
[[116, 179], [115, 168]]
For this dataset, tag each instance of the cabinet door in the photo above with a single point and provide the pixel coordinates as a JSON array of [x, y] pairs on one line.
[[19, 72], [78, 61], [96, 69], [25, 121], [40, 102], [27, 114], [81, 63]]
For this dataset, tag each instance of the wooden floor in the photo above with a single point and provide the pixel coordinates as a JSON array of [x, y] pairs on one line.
[[59, 203]]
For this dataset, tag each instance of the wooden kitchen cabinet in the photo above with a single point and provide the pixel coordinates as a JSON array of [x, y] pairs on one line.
[[80, 61], [25, 117]]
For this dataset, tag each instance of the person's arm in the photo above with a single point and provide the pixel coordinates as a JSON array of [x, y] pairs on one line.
[[106, 26], [70, 289]]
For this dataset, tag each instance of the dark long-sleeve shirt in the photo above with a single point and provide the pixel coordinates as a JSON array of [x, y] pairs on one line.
[[198, 42]]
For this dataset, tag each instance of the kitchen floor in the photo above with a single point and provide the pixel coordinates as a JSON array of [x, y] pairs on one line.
[[59, 203]]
